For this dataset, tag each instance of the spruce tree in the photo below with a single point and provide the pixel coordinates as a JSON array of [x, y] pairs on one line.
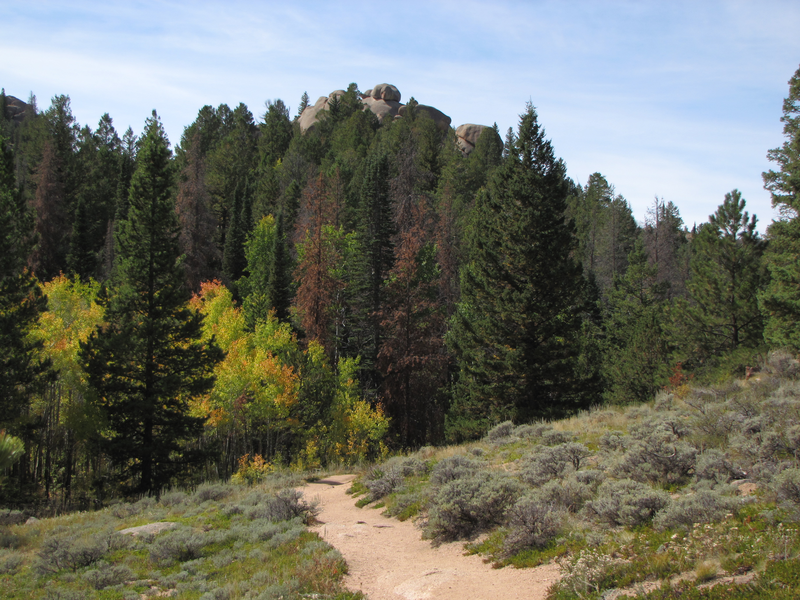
[[726, 276], [780, 302], [517, 323], [21, 299], [146, 362]]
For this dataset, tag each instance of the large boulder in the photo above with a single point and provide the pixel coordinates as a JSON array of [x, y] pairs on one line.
[[382, 108], [467, 136], [310, 115], [384, 91], [442, 120]]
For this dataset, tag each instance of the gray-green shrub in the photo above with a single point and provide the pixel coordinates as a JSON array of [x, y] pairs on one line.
[[533, 522], [704, 506], [627, 502], [454, 467], [285, 505], [468, 505], [106, 575]]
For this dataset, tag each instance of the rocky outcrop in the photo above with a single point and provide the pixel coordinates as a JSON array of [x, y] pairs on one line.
[[467, 136], [442, 120], [310, 115], [382, 108], [383, 100], [15, 109], [383, 91]]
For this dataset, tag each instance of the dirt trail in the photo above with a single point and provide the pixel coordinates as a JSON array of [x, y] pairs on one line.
[[388, 560]]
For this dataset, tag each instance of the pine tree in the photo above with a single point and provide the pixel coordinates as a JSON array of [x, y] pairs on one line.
[[722, 312], [51, 227], [515, 330], [146, 362], [780, 302], [198, 225], [21, 299], [635, 351]]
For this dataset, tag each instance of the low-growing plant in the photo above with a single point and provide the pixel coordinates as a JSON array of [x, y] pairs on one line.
[[568, 494], [454, 467], [382, 482], [212, 491], [502, 433], [704, 506], [285, 505], [468, 505], [179, 545], [64, 549], [627, 502], [533, 523], [106, 575]]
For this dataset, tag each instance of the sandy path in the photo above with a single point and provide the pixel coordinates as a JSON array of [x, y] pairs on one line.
[[388, 560]]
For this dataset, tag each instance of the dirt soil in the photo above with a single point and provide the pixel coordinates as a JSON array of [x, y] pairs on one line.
[[389, 560]]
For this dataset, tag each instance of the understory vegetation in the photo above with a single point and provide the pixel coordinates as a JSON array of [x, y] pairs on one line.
[[216, 542], [702, 485]]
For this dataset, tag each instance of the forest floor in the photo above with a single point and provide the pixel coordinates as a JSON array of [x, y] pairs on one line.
[[389, 560]]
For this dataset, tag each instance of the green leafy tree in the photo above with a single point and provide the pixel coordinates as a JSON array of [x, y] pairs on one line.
[[146, 362], [727, 274], [517, 323], [780, 302]]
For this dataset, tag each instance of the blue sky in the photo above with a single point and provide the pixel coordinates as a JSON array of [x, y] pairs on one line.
[[676, 99]]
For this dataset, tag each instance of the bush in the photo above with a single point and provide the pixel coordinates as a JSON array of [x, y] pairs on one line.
[[10, 562], [452, 468], [658, 456], [627, 502], [501, 433], [64, 550], [107, 575], [712, 465], [179, 545], [569, 494], [284, 506], [705, 506], [787, 486], [468, 505], [381, 483], [782, 364], [533, 523], [212, 491], [551, 462]]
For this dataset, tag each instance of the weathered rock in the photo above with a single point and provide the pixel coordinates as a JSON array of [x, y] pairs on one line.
[[15, 108], [149, 528], [383, 100], [31, 521], [442, 120], [381, 108], [310, 115], [385, 91], [467, 136]]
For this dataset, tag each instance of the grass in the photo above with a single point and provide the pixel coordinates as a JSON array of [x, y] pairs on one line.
[[215, 551]]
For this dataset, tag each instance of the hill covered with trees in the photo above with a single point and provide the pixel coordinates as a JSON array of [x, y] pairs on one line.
[[271, 294]]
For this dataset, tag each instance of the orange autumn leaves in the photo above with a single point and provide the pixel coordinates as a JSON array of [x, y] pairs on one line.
[[252, 380]]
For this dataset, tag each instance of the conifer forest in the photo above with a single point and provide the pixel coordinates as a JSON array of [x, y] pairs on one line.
[[256, 294]]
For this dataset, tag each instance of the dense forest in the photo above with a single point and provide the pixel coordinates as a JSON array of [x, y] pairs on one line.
[[266, 295]]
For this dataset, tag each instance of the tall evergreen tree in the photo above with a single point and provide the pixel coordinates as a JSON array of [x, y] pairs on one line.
[[146, 362], [21, 299], [521, 293], [635, 352], [722, 311], [780, 302]]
